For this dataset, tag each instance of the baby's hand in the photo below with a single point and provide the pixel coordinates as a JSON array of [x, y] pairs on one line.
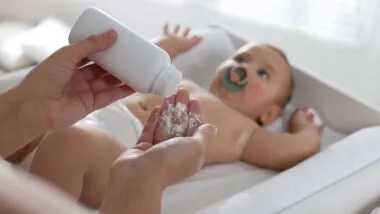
[[303, 119], [177, 41]]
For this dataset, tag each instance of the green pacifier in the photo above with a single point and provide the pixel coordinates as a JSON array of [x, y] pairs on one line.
[[235, 80]]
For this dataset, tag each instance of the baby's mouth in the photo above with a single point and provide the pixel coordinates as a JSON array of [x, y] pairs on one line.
[[235, 79]]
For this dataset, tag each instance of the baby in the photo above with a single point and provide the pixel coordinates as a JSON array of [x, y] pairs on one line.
[[249, 90]]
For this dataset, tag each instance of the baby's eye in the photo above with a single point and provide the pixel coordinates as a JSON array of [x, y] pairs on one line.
[[240, 59], [263, 74]]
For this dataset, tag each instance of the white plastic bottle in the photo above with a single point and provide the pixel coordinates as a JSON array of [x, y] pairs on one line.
[[132, 59]]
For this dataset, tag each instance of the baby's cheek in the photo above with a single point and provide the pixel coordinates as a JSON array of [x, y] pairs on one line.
[[254, 92], [218, 76]]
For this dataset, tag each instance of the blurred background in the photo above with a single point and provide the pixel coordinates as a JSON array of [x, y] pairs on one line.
[[337, 40]]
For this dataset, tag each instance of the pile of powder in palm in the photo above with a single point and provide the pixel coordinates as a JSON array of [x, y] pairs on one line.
[[176, 119], [195, 120]]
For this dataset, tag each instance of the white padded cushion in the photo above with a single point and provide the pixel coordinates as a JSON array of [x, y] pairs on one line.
[[45, 38], [12, 53]]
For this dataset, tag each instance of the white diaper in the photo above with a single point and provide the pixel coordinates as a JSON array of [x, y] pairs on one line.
[[117, 121], [114, 119]]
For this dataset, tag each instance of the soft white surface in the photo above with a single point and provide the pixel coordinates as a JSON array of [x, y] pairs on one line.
[[358, 193], [376, 211], [45, 38], [12, 53], [22, 45]]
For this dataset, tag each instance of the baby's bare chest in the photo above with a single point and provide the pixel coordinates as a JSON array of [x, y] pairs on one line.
[[234, 129]]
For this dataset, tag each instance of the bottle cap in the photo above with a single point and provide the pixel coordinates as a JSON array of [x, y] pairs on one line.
[[167, 82]]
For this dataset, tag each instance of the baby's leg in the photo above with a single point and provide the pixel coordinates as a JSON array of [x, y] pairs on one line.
[[78, 160]]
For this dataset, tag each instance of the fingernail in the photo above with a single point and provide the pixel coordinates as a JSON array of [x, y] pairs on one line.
[[212, 129], [157, 110], [109, 33]]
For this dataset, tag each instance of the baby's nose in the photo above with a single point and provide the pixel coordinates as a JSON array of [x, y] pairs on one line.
[[235, 79]]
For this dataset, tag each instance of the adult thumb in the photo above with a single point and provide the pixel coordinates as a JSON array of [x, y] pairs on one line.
[[93, 44], [205, 133]]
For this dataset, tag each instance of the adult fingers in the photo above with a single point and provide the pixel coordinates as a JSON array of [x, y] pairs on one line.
[[205, 133], [104, 83], [147, 134], [195, 117], [76, 52], [109, 96], [164, 127], [93, 71]]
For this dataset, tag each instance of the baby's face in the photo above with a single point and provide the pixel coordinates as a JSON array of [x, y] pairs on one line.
[[268, 76]]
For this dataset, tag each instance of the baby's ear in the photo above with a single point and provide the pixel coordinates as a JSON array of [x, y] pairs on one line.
[[271, 115]]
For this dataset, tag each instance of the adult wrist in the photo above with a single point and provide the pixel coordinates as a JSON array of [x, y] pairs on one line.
[[20, 120], [31, 110], [132, 196]]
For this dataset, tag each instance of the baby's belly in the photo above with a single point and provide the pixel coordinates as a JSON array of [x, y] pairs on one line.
[[141, 105], [234, 129]]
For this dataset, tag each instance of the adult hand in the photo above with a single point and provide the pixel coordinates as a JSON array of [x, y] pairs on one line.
[[161, 157], [174, 139], [66, 87]]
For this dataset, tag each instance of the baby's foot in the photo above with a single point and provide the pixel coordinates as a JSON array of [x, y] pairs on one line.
[[303, 119]]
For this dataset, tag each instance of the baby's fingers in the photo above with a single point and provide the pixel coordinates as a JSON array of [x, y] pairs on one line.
[[186, 33], [321, 128], [176, 30], [166, 29], [310, 117]]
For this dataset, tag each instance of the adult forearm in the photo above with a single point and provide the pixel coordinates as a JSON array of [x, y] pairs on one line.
[[20, 121], [21, 193]]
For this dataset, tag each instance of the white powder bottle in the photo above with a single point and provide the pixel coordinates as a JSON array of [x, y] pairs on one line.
[[132, 59]]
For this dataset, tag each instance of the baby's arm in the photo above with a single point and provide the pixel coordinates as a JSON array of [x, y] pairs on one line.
[[280, 151]]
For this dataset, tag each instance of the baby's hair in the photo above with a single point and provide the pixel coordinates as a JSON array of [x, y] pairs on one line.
[[289, 92]]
